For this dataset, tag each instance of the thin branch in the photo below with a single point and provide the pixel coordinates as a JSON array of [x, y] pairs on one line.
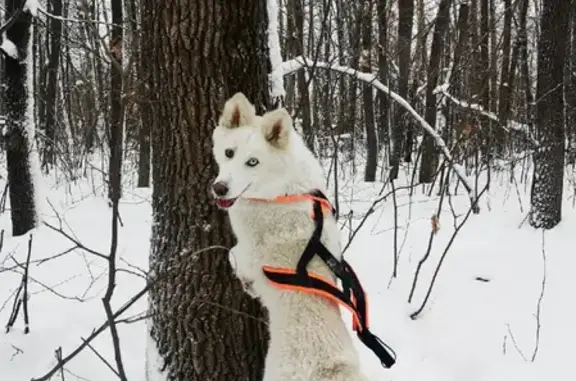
[[415, 315], [300, 63], [92, 336], [75, 241]]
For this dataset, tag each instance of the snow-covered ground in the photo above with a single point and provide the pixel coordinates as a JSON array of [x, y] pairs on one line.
[[485, 315]]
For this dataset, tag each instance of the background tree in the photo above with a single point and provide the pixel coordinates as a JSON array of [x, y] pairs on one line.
[[17, 98], [200, 315], [548, 181]]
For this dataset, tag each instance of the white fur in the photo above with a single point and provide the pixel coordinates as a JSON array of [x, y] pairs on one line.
[[309, 341]]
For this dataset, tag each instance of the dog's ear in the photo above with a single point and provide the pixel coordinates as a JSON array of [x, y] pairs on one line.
[[277, 127], [238, 111]]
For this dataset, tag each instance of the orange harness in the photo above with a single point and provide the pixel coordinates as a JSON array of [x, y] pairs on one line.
[[352, 296]]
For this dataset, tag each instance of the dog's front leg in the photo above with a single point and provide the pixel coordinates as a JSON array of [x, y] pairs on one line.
[[241, 265]]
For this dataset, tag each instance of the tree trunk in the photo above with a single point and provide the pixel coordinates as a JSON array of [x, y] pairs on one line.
[[505, 84], [383, 101], [20, 120], [401, 124], [429, 161], [367, 98], [303, 108], [144, 73], [571, 88], [51, 90], [547, 186], [116, 103], [203, 326]]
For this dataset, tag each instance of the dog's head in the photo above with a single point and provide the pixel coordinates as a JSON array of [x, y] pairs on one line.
[[252, 152]]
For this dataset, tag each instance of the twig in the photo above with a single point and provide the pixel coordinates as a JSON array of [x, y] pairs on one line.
[[371, 210], [25, 281], [92, 336], [540, 298], [425, 257], [21, 298], [58, 354], [415, 315], [75, 241], [101, 358], [118, 313]]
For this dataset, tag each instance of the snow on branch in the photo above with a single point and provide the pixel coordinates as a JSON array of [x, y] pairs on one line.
[[276, 77], [9, 48], [300, 63], [512, 125], [32, 7]]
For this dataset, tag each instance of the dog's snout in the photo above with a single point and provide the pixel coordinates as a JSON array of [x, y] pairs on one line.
[[220, 188]]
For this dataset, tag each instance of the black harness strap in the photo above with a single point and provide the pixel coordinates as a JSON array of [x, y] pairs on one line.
[[352, 295]]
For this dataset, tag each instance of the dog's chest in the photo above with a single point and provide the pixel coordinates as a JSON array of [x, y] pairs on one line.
[[262, 224]]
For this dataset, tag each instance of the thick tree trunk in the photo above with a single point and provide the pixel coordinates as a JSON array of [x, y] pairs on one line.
[[548, 182], [203, 326], [19, 119], [429, 162], [144, 78], [571, 88]]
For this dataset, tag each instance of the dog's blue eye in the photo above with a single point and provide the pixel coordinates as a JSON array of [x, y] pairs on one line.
[[229, 153], [252, 162]]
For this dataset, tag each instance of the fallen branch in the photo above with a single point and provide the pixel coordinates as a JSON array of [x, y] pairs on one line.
[[300, 63]]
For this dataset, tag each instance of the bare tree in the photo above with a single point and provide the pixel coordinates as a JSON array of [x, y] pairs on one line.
[[548, 182], [429, 161], [19, 134], [51, 91]]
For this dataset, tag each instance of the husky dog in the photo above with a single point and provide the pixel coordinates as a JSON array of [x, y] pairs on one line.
[[263, 157]]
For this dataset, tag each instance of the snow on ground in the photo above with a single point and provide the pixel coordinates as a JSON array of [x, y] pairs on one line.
[[487, 289]]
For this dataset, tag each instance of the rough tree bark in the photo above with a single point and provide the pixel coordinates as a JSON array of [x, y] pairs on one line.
[[20, 122], [203, 326], [548, 182], [571, 88], [144, 70]]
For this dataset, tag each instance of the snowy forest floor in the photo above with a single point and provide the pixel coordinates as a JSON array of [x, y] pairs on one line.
[[488, 318]]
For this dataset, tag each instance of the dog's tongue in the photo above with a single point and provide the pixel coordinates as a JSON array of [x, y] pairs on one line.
[[224, 203]]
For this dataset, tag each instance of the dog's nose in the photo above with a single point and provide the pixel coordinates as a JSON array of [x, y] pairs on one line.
[[220, 188]]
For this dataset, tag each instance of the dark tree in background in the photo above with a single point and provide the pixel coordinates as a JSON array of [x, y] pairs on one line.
[[51, 90], [203, 325], [547, 186], [116, 105], [15, 99]]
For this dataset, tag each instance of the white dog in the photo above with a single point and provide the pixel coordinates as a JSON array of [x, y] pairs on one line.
[[262, 157]]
